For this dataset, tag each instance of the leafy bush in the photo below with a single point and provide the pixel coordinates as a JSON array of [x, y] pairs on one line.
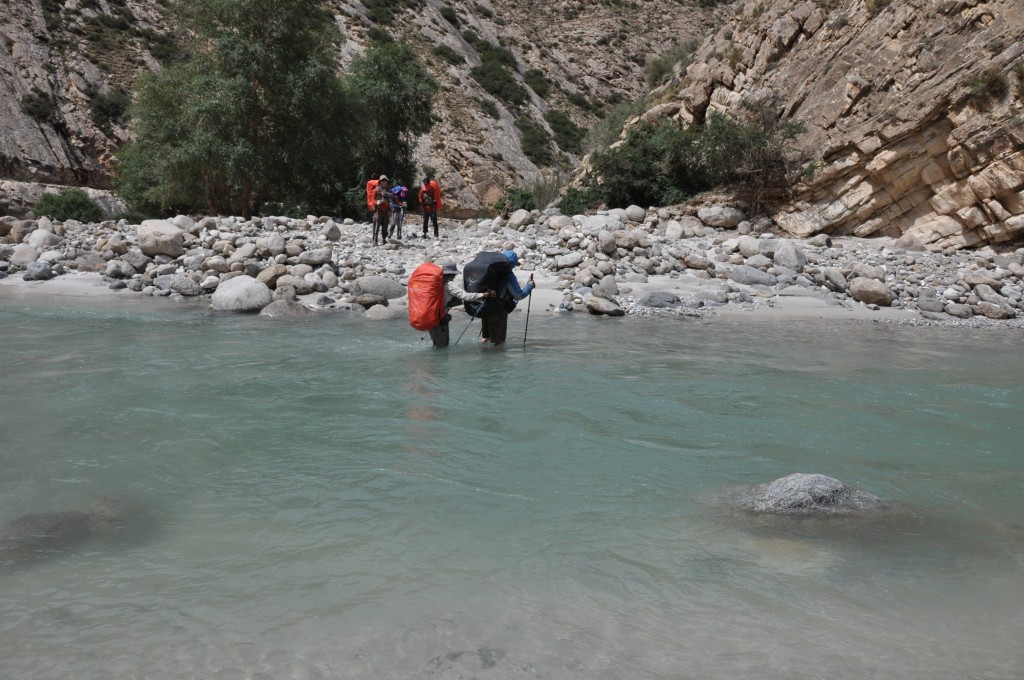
[[515, 199], [448, 54], [547, 189], [989, 84], [578, 201], [384, 11], [109, 108], [39, 105], [754, 155], [496, 71], [581, 101], [489, 107], [652, 168], [51, 14], [376, 35], [70, 204], [876, 6], [538, 196], [536, 142], [161, 45], [449, 15], [606, 132], [538, 82], [568, 135], [659, 69], [663, 163]]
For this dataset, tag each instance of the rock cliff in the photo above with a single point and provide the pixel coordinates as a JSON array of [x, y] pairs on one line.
[[914, 111], [67, 70]]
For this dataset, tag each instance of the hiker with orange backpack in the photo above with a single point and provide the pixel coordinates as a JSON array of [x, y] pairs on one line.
[[433, 290], [430, 202], [378, 200]]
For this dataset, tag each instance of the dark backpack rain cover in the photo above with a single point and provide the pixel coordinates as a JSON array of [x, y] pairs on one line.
[[487, 271]]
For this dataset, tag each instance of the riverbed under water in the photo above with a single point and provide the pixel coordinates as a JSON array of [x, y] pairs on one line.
[[331, 498]]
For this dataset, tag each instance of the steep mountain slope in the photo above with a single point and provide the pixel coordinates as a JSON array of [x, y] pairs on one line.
[[914, 111], [68, 68]]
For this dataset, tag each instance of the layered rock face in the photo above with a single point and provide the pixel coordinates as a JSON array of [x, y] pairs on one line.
[[913, 111]]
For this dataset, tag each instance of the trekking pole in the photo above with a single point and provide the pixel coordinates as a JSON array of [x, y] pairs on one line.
[[479, 307], [528, 301]]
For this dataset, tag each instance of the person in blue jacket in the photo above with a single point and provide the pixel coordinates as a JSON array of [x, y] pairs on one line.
[[495, 328]]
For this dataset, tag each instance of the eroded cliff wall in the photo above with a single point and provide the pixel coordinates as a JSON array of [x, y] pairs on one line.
[[914, 111]]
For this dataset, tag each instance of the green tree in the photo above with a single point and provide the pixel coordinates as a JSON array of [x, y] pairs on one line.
[[653, 167], [753, 153], [255, 113], [397, 96]]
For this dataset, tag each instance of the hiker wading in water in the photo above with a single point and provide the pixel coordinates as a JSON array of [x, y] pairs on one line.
[[454, 293], [495, 328]]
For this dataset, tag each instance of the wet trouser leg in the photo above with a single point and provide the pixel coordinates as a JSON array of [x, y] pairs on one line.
[[439, 335]]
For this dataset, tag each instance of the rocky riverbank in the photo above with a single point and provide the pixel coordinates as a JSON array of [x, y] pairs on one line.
[[657, 262]]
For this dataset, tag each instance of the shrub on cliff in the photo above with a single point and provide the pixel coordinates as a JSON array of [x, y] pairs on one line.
[[39, 105], [989, 84], [70, 204], [536, 142]]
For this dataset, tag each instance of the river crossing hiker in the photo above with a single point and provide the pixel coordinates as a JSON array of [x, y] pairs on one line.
[[493, 271], [433, 290], [453, 294], [430, 202]]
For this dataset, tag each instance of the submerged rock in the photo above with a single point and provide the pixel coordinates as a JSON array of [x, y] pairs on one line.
[[808, 494], [38, 535]]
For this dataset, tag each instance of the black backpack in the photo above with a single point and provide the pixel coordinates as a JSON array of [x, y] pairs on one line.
[[488, 271], [428, 199]]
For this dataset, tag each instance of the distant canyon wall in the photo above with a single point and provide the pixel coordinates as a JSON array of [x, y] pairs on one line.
[[914, 111], [576, 57]]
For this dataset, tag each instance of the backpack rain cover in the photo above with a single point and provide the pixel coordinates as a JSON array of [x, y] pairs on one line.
[[426, 297]]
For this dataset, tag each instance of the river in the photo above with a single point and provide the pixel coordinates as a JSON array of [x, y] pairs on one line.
[[331, 498]]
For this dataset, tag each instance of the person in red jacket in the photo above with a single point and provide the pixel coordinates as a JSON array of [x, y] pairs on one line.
[[430, 201]]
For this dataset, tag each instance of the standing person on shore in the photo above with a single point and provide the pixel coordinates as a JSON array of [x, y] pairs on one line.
[[495, 328], [399, 193], [454, 293], [382, 209], [430, 201]]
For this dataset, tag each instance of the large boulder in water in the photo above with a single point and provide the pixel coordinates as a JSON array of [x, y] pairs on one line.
[[241, 294], [806, 495]]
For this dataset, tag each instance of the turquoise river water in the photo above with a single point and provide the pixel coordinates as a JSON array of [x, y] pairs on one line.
[[330, 498]]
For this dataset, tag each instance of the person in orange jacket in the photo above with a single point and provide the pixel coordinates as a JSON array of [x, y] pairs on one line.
[[430, 201]]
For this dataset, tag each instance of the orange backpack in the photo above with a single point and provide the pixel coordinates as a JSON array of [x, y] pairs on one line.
[[371, 191], [426, 297]]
